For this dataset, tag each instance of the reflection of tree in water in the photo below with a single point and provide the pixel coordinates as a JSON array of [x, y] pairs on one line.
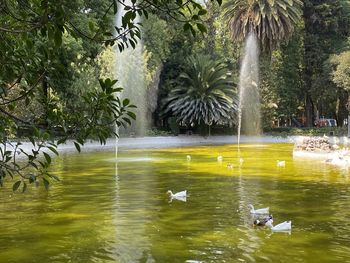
[[249, 242], [134, 210]]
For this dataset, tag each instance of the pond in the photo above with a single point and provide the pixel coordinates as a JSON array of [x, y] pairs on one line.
[[105, 210]]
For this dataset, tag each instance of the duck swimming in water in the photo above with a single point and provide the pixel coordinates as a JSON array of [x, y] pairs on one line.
[[262, 222], [178, 196], [281, 163], [282, 227], [261, 211]]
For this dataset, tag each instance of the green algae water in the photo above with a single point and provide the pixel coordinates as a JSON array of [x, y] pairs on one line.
[[108, 210]]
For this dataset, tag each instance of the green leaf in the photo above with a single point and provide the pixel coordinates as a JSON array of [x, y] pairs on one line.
[[46, 136], [31, 139], [47, 157], [115, 7], [58, 38], [80, 141], [201, 28], [132, 43], [36, 132], [102, 84], [16, 185], [32, 179], [46, 183], [77, 146], [145, 13], [126, 102], [53, 149], [195, 17], [202, 12], [54, 177], [193, 31], [60, 141], [127, 120], [34, 165], [187, 26], [43, 165], [131, 114]]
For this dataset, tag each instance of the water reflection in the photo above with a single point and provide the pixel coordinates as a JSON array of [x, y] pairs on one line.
[[108, 211]]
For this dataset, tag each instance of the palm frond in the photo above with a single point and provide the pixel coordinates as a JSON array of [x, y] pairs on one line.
[[272, 21], [206, 95]]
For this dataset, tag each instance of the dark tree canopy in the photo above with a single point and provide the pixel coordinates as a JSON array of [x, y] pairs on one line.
[[272, 21]]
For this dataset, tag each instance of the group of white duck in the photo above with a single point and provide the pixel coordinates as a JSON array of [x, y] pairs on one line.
[[241, 161], [262, 214], [265, 219]]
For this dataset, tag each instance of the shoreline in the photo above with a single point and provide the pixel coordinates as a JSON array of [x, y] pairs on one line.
[[156, 142]]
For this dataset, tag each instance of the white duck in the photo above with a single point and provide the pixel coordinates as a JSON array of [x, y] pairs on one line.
[[285, 226], [178, 196], [229, 166], [281, 163], [188, 157], [261, 211], [338, 160]]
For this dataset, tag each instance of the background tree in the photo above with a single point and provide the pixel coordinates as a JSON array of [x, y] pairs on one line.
[[271, 21], [205, 94], [326, 29], [341, 75]]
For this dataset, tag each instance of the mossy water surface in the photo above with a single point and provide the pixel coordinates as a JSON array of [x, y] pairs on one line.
[[116, 210]]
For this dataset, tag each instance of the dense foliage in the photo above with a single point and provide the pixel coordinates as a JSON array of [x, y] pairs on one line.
[[51, 57], [53, 53], [299, 78], [204, 93], [272, 21]]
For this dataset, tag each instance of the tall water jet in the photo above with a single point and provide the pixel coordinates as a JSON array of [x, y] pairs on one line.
[[249, 119], [130, 73]]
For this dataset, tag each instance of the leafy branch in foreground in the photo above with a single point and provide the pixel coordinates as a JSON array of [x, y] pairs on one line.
[[54, 18], [103, 110], [39, 42]]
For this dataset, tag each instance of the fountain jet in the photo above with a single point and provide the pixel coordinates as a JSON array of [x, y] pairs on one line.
[[249, 119], [130, 73]]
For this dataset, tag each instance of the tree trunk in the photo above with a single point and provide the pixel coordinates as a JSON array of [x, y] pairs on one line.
[[308, 66], [308, 110], [213, 13]]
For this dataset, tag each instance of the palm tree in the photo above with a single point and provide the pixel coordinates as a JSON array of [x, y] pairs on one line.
[[205, 94], [271, 20]]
